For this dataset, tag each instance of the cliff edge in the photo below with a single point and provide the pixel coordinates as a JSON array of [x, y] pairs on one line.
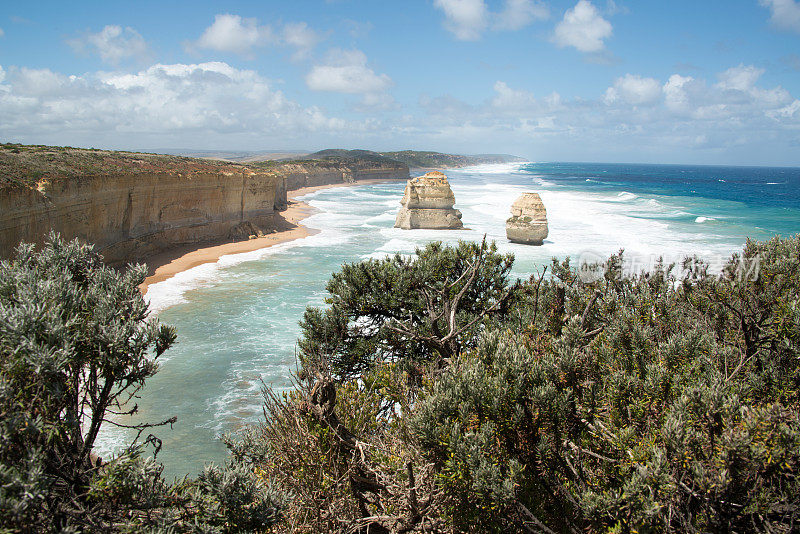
[[134, 205]]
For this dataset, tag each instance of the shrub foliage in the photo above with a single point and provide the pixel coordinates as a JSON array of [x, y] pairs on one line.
[[433, 395], [76, 346], [653, 402]]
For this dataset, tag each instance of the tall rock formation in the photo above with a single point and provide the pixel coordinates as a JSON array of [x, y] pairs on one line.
[[528, 222], [428, 203]]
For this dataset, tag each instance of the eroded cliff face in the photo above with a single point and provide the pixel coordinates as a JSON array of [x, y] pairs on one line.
[[528, 222], [316, 173], [428, 203], [130, 217], [132, 206]]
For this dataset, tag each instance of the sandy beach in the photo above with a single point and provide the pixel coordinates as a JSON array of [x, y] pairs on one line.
[[167, 264]]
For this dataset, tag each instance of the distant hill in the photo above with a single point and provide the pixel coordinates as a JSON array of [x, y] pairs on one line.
[[412, 158], [344, 155], [417, 159]]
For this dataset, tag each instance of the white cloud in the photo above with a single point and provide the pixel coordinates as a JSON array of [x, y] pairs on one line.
[[740, 119], [238, 35], [466, 19], [787, 112], [741, 78], [346, 71], [178, 104], [2, 33], [740, 82], [633, 89], [113, 44], [506, 97], [676, 97], [785, 14], [301, 37], [232, 33], [637, 119], [519, 13], [583, 28]]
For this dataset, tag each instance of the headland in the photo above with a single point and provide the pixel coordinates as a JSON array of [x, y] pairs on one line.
[[175, 212], [136, 206]]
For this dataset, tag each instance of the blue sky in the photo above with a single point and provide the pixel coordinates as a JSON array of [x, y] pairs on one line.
[[648, 81]]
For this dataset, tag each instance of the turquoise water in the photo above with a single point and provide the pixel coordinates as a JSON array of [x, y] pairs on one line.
[[237, 320]]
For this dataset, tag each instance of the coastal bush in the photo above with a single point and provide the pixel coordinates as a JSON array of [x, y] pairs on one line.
[[649, 402], [75, 342], [420, 309], [76, 346]]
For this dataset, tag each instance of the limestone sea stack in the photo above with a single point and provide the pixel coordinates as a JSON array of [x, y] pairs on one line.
[[528, 222], [428, 203]]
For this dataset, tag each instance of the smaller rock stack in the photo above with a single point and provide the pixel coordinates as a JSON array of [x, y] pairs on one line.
[[528, 222], [428, 203]]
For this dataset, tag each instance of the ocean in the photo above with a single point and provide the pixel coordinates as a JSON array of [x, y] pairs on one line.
[[237, 319]]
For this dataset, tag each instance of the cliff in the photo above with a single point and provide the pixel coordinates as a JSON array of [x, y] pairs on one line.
[[316, 171], [528, 222], [428, 203], [133, 205]]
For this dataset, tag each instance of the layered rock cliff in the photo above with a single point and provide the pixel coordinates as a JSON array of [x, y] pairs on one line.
[[312, 173], [528, 222], [428, 203], [135, 205]]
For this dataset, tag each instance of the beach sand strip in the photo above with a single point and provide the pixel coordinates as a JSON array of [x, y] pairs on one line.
[[167, 264]]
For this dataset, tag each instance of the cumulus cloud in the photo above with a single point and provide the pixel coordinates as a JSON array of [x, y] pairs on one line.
[[468, 19], [346, 71], [238, 35], [741, 78], [583, 28], [790, 111], [785, 14], [506, 97], [676, 92], [113, 44], [232, 33], [633, 89], [740, 83], [637, 118], [179, 103]]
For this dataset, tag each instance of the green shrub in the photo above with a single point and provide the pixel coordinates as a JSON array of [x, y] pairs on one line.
[[76, 345], [643, 403]]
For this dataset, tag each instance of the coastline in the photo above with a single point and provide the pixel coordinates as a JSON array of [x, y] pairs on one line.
[[167, 264]]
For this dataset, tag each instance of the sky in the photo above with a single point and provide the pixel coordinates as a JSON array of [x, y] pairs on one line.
[[705, 82]]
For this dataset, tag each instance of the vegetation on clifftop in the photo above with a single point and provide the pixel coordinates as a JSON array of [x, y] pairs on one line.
[[420, 159], [32, 166], [29, 165]]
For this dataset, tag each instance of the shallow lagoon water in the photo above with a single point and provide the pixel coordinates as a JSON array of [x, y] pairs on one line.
[[237, 320]]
